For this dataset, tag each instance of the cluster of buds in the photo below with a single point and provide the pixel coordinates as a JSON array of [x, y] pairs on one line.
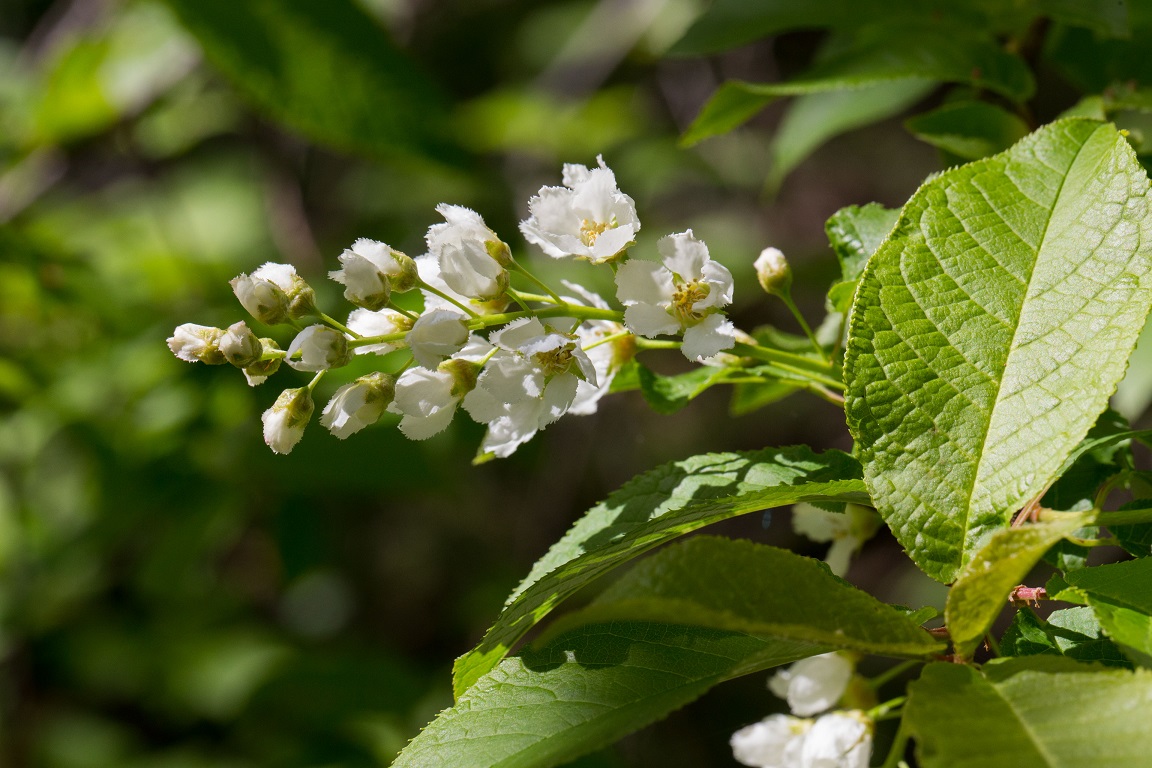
[[838, 739], [515, 359]]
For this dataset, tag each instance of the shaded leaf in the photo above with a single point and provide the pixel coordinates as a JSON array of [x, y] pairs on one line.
[[969, 130], [981, 591], [652, 509], [1034, 712], [989, 329], [1071, 632]]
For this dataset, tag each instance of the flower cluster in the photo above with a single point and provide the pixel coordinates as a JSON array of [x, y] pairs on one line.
[[515, 356], [840, 739]]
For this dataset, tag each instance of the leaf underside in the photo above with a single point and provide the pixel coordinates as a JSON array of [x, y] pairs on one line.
[[990, 329]]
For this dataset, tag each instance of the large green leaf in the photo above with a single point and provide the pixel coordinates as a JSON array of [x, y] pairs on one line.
[[1128, 585], [982, 589], [878, 54], [681, 621], [815, 118], [325, 69], [1038, 712], [650, 510], [989, 330], [586, 689], [764, 591]]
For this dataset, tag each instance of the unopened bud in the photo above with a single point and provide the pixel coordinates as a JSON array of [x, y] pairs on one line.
[[240, 346], [258, 372], [284, 422], [773, 272], [500, 252], [372, 271], [197, 343], [275, 294], [464, 375], [320, 348], [358, 404]]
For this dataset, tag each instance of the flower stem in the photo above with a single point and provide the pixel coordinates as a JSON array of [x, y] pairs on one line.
[[338, 325], [518, 267], [787, 299], [607, 340], [437, 292], [643, 343], [405, 312], [315, 380], [890, 674], [887, 710], [516, 297], [899, 742]]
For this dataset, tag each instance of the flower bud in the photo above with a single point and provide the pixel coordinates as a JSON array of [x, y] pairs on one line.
[[437, 335], [284, 422], [372, 271], [473, 260], [274, 294], [464, 374], [259, 371], [240, 346], [773, 272], [358, 404], [197, 343], [320, 348]]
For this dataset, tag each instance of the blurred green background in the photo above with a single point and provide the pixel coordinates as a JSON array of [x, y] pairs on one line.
[[173, 594]]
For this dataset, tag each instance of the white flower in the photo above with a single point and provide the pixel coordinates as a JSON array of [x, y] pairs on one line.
[[436, 335], [472, 258], [197, 344], [847, 531], [774, 742], [240, 346], [274, 293], [383, 322], [813, 685], [427, 399], [429, 269], [684, 293], [358, 404], [284, 422], [371, 271], [589, 217], [320, 348], [838, 740], [773, 272]]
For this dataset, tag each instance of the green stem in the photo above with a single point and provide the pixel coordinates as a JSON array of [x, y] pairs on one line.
[[518, 267], [539, 297], [607, 340], [437, 292], [887, 709], [780, 356], [315, 380], [890, 674], [518, 299], [405, 312], [899, 742], [338, 325], [643, 343], [787, 299], [1119, 517]]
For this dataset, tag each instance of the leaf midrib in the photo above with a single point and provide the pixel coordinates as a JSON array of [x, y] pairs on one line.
[[1013, 348]]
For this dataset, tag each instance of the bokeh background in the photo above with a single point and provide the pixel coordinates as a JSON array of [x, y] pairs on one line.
[[174, 595]]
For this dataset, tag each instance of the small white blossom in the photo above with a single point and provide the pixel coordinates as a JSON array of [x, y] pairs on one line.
[[427, 399], [813, 685], [240, 346], [847, 531], [436, 335], [358, 404], [320, 348], [472, 258], [372, 271], [284, 422], [838, 740], [589, 217], [607, 356], [274, 293], [773, 272], [683, 293], [429, 269], [774, 742], [380, 323], [197, 344]]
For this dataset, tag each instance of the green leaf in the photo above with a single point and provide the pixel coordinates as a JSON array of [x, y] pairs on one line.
[[1134, 393], [989, 330], [855, 233], [815, 118], [655, 508], [1131, 629], [586, 689], [1030, 712], [668, 394], [1071, 632], [1136, 539], [1128, 584], [745, 587], [970, 130], [980, 593], [325, 69], [878, 54], [1103, 453]]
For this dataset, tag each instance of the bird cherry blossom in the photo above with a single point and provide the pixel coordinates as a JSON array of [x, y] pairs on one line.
[[372, 271], [589, 217], [813, 685], [473, 260], [320, 348], [274, 293], [285, 421], [358, 404]]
